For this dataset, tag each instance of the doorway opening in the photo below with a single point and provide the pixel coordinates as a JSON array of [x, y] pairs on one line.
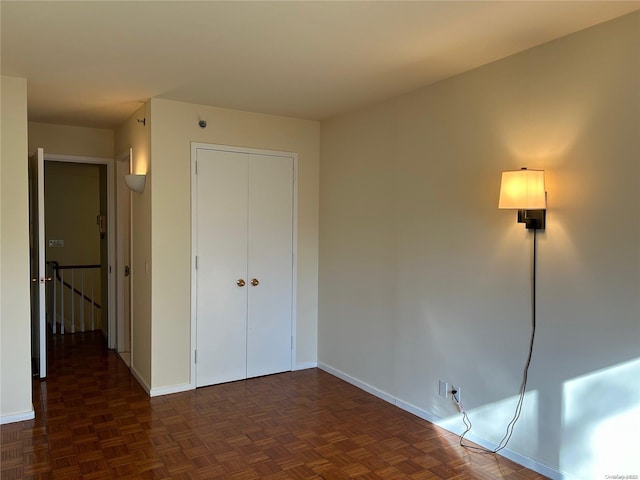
[[76, 251], [76, 247]]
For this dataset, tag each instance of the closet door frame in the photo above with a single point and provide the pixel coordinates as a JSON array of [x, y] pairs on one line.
[[195, 146]]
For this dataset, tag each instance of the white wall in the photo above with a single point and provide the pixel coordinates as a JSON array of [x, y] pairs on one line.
[[422, 278], [72, 203], [174, 125], [135, 135], [70, 140], [15, 332]]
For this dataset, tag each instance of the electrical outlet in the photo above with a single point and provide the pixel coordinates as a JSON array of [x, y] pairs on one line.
[[443, 389], [458, 391]]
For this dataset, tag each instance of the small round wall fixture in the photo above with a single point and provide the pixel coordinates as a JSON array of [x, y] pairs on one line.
[[202, 123]]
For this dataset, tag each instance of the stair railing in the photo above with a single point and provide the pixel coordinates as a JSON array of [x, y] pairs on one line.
[[64, 285]]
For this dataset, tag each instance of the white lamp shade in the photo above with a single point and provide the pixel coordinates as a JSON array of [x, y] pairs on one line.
[[523, 190], [135, 182]]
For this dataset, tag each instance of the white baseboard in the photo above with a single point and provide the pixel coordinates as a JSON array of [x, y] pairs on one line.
[[156, 392], [140, 380], [419, 412], [183, 387], [530, 463], [437, 420], [361, 385], [304, 366], [17, 417]]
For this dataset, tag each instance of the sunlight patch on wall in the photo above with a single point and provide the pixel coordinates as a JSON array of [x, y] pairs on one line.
[[601, 421], [490, 422]]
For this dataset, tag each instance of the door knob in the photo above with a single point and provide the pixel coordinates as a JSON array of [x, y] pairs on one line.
[[255, 282], [240, 283], [34, 279], [46, 279]]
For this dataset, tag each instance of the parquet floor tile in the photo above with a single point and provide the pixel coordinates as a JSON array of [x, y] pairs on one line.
[[94, 422]]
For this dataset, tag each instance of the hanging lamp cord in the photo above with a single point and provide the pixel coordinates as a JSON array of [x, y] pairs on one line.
[[523, 386]]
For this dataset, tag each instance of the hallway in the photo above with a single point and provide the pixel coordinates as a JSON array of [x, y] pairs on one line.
[[94, 421]]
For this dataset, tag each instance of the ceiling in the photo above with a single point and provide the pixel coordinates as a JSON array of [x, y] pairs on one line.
[[92, 63]]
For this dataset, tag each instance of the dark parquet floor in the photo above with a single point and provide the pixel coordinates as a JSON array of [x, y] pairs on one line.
[[94, 421]]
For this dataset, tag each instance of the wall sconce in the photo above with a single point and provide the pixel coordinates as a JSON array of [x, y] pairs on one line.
[[135, 182], [523, 190]]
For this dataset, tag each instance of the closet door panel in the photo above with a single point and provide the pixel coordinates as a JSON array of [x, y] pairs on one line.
[[270, 262], [222, 261]]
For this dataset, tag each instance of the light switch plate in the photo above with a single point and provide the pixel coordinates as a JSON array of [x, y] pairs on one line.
[[443, 389]]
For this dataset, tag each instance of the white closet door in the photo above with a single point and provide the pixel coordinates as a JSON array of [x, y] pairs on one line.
[[221, 307], [270, 263]]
